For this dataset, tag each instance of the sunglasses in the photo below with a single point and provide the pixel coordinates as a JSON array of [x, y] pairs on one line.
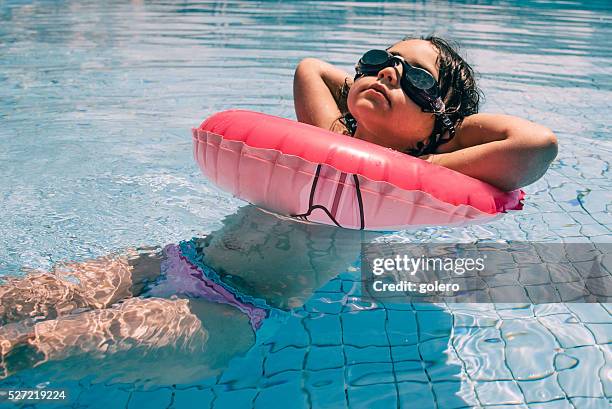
[[418, 84]]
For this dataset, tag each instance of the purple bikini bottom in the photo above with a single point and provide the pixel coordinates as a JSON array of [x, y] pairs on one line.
[[184, 273]]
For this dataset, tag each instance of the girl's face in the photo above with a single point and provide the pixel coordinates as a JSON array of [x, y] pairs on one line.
[[385, 114]]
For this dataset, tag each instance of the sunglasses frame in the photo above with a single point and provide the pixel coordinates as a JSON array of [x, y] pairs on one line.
[[426, 97], [426, 94]]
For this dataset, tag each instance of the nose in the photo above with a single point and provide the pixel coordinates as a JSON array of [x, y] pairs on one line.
[[389, 75]]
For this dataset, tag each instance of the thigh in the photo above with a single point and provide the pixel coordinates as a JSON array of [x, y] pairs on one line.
[[38, 295], [171, 340], [96, 283], [135, 323]]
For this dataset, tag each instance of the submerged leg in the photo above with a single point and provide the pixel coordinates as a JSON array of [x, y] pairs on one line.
[[96, 283], [146, 324]]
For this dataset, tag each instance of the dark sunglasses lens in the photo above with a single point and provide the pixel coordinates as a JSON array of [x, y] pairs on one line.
[[420, 78], [375, 57]]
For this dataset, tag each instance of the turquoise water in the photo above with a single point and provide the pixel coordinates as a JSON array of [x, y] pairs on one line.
[[96, 103]]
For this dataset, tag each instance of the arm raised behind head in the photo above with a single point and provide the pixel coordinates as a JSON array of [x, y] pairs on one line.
[[502, 150], [317, 87]]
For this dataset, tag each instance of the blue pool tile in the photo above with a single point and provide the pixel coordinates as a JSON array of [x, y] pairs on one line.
[[435, 355], [367, 374], [568, 332], [381, 396], [286, 359], [190, 398], [332, 286], [282, 378], [416, 395], [470, 319], [282, 394], [349, 276], [324, 329], [604, 238], [591, 403], [398, 306], [443, 372], [548, 206], [604, 218], [519, 333], [103, 397], [594, 230], [541, 310], [564, 193], [291, 334], [405, 353], [448, 397], [591, 313], [351, 287], [364, 328], [434, 324], [555, 404], [355, 355], [602, 332], [583, 218], [241, 398], [326, 388], [434, 349], [245, 371], [560, 219], [402, 327], [159, 398], [596, 201], [426, 307], [42, 404], [541, 390], [324, 357], [481, 352], [605, 373], [579, 379], [325, 378], [543, 292], [499, 393], [410, 371]]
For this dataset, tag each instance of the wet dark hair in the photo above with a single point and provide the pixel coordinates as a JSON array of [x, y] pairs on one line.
[[458, 89]]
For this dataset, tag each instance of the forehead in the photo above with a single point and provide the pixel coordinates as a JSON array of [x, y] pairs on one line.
[[418, 52]]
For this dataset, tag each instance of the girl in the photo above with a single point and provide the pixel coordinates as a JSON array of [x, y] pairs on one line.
[[419, 97], [151, 312]]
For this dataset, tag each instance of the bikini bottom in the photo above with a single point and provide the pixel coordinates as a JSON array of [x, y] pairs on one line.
[[185, 274]]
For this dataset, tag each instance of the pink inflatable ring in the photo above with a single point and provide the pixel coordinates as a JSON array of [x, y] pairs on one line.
[[309, 173]]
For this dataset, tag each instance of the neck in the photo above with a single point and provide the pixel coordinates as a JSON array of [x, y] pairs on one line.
[[365, 135]]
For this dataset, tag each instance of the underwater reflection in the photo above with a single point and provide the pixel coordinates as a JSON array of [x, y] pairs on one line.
[[141, 317]]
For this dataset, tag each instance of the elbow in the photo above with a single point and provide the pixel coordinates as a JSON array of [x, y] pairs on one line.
[[548, 146], [307, 66], [544, 149], [306, 70]]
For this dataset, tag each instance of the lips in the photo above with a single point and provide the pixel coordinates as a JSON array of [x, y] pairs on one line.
[[382, 90]]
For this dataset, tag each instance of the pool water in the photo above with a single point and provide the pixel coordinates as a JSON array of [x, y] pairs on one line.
[[96, 103]]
